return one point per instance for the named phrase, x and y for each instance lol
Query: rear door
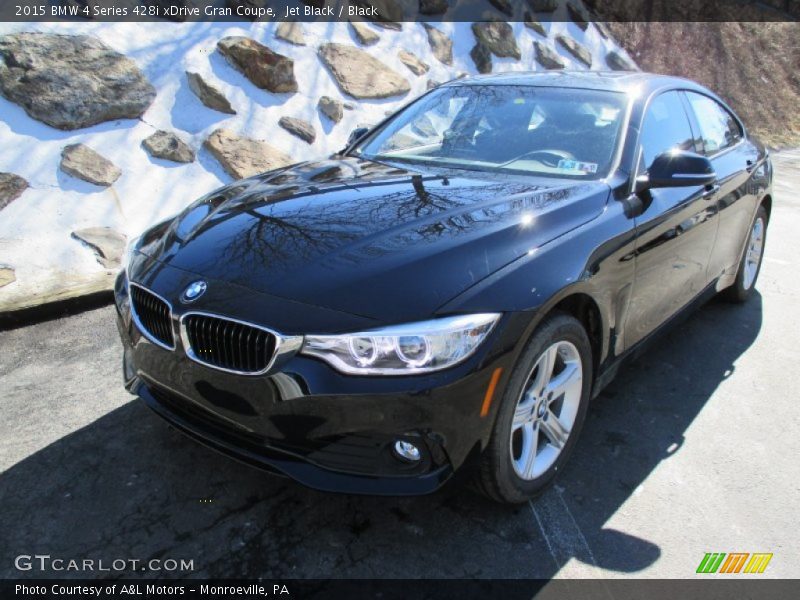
(734, 158)
(675, 233)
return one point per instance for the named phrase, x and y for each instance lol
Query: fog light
(407, 451)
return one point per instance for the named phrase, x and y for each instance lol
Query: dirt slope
(753, 66)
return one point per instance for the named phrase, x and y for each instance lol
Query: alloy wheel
(755, 247)
(546, 410)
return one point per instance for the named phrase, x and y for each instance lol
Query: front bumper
(279, 461)
(305, 420)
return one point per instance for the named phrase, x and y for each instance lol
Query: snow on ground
(35, 229)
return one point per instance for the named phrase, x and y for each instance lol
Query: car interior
(520, 131)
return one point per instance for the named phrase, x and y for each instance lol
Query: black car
(449, 292)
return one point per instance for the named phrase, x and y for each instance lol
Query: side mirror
(677, 168)
(357, 134)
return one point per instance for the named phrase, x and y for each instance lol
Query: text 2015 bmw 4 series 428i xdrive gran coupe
(451, 290)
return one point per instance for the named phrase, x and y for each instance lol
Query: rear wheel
(750, 266)
(541, 414)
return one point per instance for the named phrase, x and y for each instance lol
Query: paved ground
(693, 449)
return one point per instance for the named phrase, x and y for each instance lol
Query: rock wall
(106, 133)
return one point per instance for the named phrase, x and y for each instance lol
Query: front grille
(153, 315)
(227, 344)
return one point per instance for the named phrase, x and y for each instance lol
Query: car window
(718, 128)
(665, 127)
(549, 131)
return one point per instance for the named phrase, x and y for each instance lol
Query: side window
(665, 127)
(718, 128)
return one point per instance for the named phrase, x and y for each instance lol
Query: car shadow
(127, 486)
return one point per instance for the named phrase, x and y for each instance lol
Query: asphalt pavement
(693, 449)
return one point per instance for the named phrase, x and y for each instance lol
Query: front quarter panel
(595, 260)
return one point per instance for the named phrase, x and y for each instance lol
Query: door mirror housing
(677, 168)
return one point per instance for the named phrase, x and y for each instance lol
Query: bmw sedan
(449, 292)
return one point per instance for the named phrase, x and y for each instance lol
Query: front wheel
(541, 412)
(750, 266)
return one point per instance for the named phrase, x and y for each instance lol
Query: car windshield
(539, 130)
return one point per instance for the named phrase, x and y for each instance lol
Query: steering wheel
(549, 156)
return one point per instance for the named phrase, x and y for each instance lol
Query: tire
(747, 275)
(506, 473)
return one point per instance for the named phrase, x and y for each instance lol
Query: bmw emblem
(194, 291)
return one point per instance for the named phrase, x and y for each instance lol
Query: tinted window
(718, 128)
(666, 127)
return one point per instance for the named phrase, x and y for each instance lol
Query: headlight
(128, 253)
(403, 349)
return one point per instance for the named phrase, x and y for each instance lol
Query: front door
(675, 233)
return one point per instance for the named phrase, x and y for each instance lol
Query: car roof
(596, 80)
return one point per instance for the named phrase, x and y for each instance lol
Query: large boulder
(11, 188)
(504, 6)
(498, 37)
(244, 157)
(433, 7)
(619, 62)
(84, 163)
(166, 145)
(208, 94)
(546, 6)
(575, 48)
(412, 61)
(71, 82)
(291, 32)
(265, 68)
(299, 128)
(364, 34)
(602, 30)
(578, 14)
(548, 57)
(107, 244)
(331, 108)
(361, 75)
(441, 45)
(482, 58)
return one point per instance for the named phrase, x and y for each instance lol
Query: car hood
(368, 238)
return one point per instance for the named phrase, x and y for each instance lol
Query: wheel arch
(766, 202)
(585, 310)
(584, 307)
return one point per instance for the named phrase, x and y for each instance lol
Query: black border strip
(396, 11)
(712, 586)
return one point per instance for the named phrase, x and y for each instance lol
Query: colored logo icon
(734, 562)
(194, 291)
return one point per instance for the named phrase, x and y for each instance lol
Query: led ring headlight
(403, 349)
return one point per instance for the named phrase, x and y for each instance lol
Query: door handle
(710, 191)
(751, 164)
